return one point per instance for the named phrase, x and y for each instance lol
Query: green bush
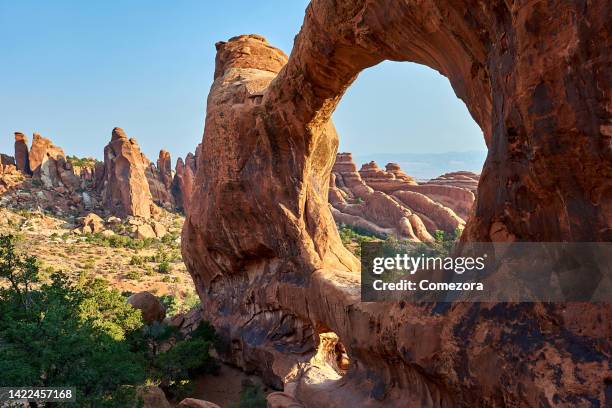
(176, 305)
(163, 267)
(251, 396)
(137, 260)
(119, 241)
(134, 275)
(356, 236)
(88, 162)
(86, 336)
(58, 334)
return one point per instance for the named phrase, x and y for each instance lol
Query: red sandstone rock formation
(48, 164)
(261, 243)
(385, 181)
(7, 160)
(160, 180)
(463, 179)
(358, 205)
(41, 151)
(184, 178)
(151, 308)
(395, 169)
(22, 159)
(123, 183)
(164, 165)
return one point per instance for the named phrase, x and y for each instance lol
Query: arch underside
(262, 246)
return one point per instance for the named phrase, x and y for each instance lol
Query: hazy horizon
(81, 69)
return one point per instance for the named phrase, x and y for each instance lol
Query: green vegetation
(353, 237)
(163, 267)
(86, 336)
(88, 162)
(119, 241)
(251, 396)
(58, 334)
(175, 305)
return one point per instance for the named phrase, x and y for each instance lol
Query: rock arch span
(262, 246)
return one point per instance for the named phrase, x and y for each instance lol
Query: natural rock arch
(262, 246)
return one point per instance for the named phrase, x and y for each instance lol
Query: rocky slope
(261, 242)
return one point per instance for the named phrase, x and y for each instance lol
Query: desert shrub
(163, 267)
(134, 275)
(353, 237)
(171, 239)
(119, 241)
(175, 305)
(136, 260)
(251, 396)
(170, 304)
(88, 162)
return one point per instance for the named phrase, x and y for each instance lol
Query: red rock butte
(262, 246)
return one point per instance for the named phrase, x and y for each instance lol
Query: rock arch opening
(388, 186)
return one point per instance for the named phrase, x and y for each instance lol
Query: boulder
(144, 231)
(282, 400)
(112, 220)
(151, 308)
(159, 229)
(196, 403)
(123, 183)
(92, 223)
(152, 397)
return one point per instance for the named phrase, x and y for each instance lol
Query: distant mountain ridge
(425, 166)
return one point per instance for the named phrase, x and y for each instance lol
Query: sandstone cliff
(260, 240)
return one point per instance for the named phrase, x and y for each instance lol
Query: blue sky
(73, 70)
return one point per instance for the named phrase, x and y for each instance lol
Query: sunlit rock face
(260, 239)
